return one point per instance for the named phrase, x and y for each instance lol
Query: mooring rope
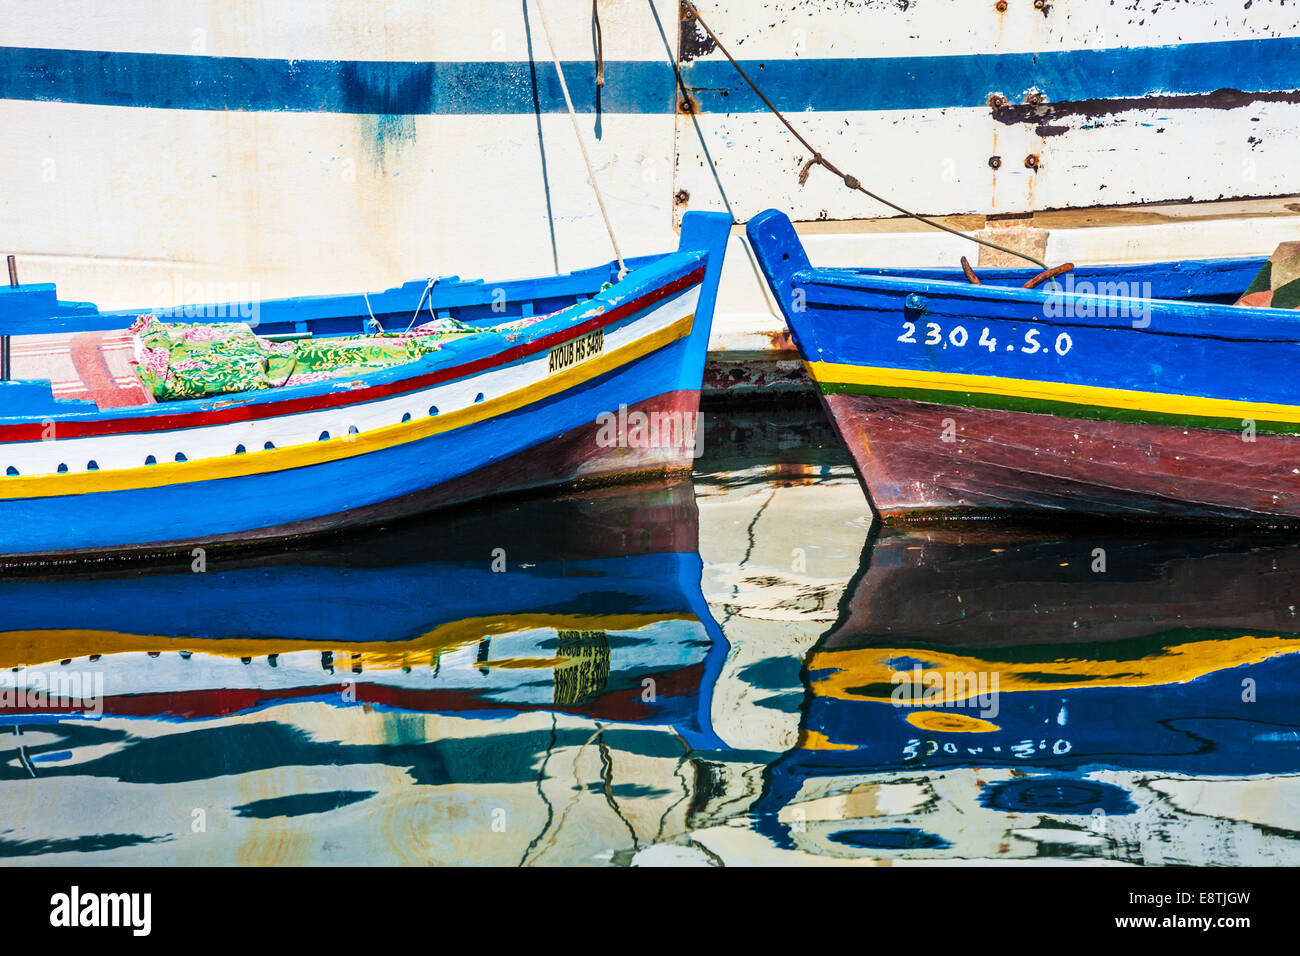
(577, 131)
(600, 43)
(818, 159)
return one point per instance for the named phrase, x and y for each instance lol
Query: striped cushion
(96, 367)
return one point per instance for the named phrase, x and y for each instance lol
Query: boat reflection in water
(984, 695)
(297, 709)
(543, 682)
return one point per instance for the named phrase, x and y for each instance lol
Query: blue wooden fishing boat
(520, 384)
(1137, 391)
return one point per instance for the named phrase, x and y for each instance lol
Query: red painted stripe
(31, 431)
(623, 704)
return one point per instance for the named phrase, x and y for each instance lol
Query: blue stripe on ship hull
(174, 81)
(209, 509)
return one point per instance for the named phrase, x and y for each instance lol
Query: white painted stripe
(937, 161)
(216, 441)
(295, 204)
(778, 29)
(494, 30)
(413, 30)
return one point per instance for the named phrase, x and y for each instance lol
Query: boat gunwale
(840, 290)
(684, 268)
(1019, 274)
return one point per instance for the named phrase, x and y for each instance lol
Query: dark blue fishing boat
(1138, 391)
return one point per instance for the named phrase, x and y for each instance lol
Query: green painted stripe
(1039, 406)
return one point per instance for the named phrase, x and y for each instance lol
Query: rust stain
(692, 41)
(1048, 116)
(995, 163)
(781, 340)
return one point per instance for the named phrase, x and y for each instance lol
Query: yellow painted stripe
(848, 672)
(32, 648)
(341, 447)
(1160, 402)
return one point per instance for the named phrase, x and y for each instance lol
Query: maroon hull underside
(982, 588)
(1003, 463)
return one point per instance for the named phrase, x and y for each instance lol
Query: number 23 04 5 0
(958, 337)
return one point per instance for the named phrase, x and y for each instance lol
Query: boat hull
(922, 461)
(439, 471)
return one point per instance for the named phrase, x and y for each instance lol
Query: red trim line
(31, 431)
(623, 703)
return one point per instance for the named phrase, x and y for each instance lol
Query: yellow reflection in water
(30, 648)
(853, 673)
(950, 723)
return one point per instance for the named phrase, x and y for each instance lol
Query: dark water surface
(701, 672)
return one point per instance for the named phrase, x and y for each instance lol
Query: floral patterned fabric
(1277, 284)
(180, 361)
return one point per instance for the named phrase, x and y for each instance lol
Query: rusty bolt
(681, 197)
(1031, 161)
(1035, 99)
(1000, 6)
(684, 105)
(996, 101)
(1040, 4)
(995, 162)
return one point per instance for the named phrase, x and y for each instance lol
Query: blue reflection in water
(547, 680)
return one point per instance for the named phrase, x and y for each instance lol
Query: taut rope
(819, 160)
(573, 117)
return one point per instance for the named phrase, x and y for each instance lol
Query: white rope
(577, 131)
(416, 314)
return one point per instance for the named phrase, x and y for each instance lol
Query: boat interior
(1207, 281)
(88, 355)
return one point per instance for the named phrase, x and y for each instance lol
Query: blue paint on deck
(177, 81)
